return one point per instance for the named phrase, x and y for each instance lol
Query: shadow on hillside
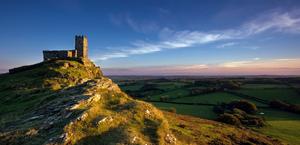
(112, 136)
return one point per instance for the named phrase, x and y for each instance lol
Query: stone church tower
(81, 46)
(81, 50)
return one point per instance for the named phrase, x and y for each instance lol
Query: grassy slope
(192, 130)
(65, 102)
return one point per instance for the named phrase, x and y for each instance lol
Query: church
(80, 51)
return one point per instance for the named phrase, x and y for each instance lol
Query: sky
(158, 37)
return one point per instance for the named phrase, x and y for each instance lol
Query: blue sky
(148, 37)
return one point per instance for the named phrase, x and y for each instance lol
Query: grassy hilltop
(71, 102)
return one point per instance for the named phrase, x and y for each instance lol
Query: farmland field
(284, 94)
(170, 94)
(213, 98)
(283, 125)
(263, 86)
(177, 95)
(132, 87)
(170, 85)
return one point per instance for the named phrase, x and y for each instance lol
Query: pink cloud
(252, 67)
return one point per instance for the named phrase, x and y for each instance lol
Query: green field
(167, 86)
(263, 86)
(194, 110)
(296, 85)
(271, 92)
(213, 98)
(283, 125)
(170, 94)
(133, 87)
(284, 94)
(280, 124)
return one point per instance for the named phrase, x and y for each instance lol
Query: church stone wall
(56, 54)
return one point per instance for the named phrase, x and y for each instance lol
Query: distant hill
(71, 102)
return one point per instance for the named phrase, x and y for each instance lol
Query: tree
(229, 119)
(244, 105)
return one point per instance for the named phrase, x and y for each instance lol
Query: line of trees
(285, 106)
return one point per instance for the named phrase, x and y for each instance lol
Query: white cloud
(252, 47)
(176, 40)
(170, 39)
(113, 55)
(227, 44)
(282, 22)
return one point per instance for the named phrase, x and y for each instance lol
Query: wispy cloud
(256, 58)
(286, 59)
(287, 22)
(246, 67)
(153, 70)
(177, 40)
(227, 44)
(138, 26)
(235, 64)
(237, 45)
(281, 22)
(252, 47)
(259, 63)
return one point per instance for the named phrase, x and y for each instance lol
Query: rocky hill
(71, 102)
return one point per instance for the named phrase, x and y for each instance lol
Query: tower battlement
(80, 51)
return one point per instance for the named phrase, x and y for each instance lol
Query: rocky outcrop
(87, 108)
